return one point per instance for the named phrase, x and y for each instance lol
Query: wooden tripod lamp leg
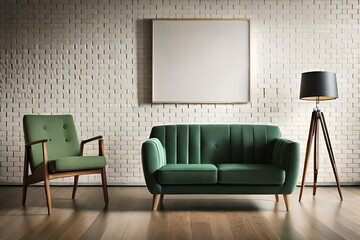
(308, 150)
(331, 153)
(316, 151)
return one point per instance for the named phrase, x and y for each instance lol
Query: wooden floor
(180, 216)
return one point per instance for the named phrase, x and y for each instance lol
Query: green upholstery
(249, 159)
(153, 157)
(76, 163)
(286, 154)
(243, 174)
(216, 144)
(221, 189)
(60, 132)
(63, 146)
(184, 174)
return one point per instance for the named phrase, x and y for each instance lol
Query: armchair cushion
(184, 174)
(76, 163)
(250, 174)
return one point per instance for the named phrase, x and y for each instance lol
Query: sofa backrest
(217, 143)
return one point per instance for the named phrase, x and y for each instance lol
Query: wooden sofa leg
(161, 197)
(76, 179)
(286, 200)
(276, 197)
(156, 199)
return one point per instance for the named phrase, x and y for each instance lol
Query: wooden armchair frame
(41, 173)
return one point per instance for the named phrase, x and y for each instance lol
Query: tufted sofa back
(215, 143)
(60, 132)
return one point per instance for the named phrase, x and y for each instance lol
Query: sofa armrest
(153, 157)
(286, 154)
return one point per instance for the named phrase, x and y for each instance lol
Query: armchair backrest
(217, 143)
(60, 132)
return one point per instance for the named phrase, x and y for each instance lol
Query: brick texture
(93, 59)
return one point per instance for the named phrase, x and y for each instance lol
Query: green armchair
(53, 151)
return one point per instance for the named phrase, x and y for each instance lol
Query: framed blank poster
(201, 61)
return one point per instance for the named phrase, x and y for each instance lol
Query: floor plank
(129, 215)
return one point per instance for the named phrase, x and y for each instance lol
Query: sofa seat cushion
(250, 174)
(77, 163)
(187, 174)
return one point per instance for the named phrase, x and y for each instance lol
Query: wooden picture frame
(201, 61)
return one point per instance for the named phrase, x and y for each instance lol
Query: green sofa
(219, 159)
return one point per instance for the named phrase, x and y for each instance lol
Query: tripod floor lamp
(318, 86)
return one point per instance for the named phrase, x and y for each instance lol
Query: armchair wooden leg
(156, 199)
(48, 195)
(24, 194)
(104, 186)
(276, 197)
(161, 197)
(76, 179)
(286, 200)
(26, 172)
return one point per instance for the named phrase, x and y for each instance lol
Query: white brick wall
(93, 59)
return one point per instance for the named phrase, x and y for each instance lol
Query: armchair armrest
(91, 139)
(36, 142)
(44, 153)
(153, 157)
(101, 144)
(286, 154)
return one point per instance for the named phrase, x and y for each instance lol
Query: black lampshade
(318, 86)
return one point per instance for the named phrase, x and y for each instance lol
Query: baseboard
(87, 184)
(112, 184)
(330, 184)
